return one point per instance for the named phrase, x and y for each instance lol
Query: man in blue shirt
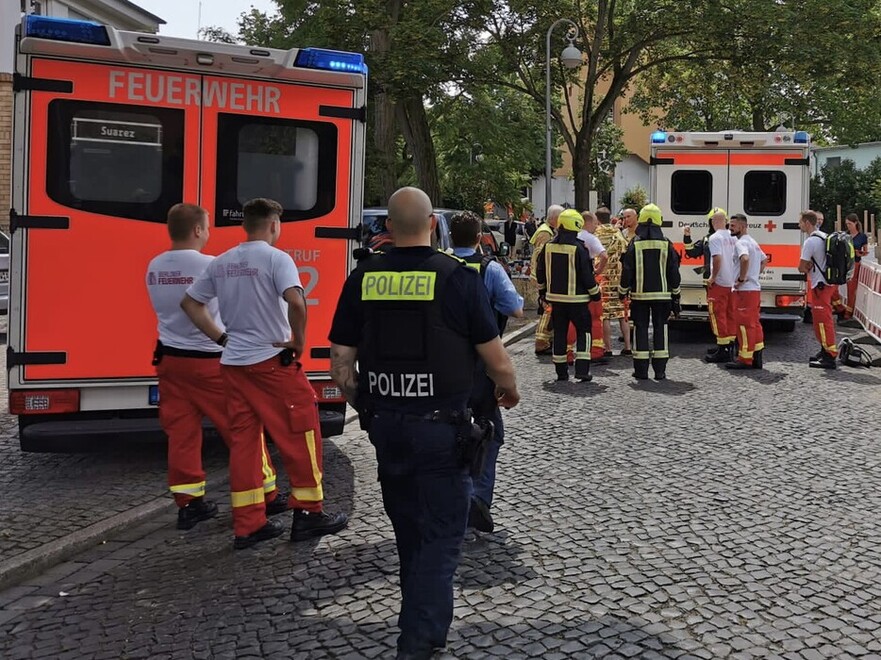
(465, 230)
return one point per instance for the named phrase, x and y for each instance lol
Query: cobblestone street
(715, 515)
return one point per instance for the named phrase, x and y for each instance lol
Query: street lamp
(571, 58)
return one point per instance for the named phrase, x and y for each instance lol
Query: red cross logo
(770, 226)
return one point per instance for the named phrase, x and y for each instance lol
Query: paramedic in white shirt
(188, 367)
(747, 296)
(719, 285)
(263, 307)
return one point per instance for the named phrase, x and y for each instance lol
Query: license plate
(4, 276)
(154, 395)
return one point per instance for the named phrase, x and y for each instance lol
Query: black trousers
(655, 348)
(578, 314)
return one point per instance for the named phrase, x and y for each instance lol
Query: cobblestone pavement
(715, 515)
(46, 496)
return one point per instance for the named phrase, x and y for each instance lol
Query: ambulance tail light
(64, 29)
(328, 392)
(40, 402)
(330, 60)
(801, 137)
(790, 301)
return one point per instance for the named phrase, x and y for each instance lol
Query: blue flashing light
(659, 137)
(801, 137)
(65, 29)
(330, 60)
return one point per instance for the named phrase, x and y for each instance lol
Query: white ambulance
(765, 176)
(112, 128)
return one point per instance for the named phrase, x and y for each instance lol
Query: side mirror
(504, 250)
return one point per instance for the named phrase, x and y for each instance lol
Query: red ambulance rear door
(291, 142)
(109, 152)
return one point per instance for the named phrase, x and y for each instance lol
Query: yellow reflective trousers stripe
(246, 497)
(269, 478)
(196, 490)
(315, 494)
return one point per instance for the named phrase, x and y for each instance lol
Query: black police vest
(408, 352)
(481, 263)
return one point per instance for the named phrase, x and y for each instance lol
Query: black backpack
(839, 258)
(853, 355)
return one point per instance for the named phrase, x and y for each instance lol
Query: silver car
(4, 273)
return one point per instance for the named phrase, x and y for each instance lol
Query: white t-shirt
(592, 243)
(249, 281)
(815, 246)
(747, 245)
(722, 243)
(168, 276)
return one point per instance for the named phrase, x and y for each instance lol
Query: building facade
(121, 14)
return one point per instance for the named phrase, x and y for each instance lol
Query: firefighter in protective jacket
(650, 276)
(564, 271)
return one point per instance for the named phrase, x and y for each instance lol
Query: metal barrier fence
(867, 309)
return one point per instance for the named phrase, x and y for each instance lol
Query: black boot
(826, 361)
(713, 350)
(808, 317)
(562, 371)
(722, 355)
(659, 366)
(278, 505)
(582, 371)
(270, 530)
(308, 525)
(641, 369)
(759, 359)
(196, 510)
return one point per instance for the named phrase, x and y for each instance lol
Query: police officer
(650, 277)
(566, 280)
(415, 320)
(465, 230)
(188, 367)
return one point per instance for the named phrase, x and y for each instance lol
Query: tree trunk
(384, 141)
(414, 125)
(758, 117)
(582, 168)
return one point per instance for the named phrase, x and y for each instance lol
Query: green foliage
(634, 198)
(854, 189)
(607, 151)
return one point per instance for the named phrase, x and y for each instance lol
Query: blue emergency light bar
(330, 60)
(801, 137)
(659, 137)
(65, 29)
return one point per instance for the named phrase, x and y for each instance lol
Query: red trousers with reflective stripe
(191, 389)
(721, 313)
(852, 290)
(824, 326)
(280, 399)
(750, 335)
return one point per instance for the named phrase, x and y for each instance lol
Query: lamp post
(571, 58)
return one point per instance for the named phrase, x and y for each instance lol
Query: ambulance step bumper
(74, 434)
(792, 314)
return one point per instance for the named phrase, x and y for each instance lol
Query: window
(116, 160)
(764, 193)
(692, 192)
(833, 161)
(292, 162)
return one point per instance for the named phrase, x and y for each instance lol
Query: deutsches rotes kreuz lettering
(401, 385)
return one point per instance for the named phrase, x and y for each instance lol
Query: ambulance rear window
(691, 192)
(116, 160)
(290, 161)
(764, 193)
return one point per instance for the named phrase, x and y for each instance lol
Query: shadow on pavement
(574, 388)
(666, 387)
(852, 375)
(491, 560)
(760, 376)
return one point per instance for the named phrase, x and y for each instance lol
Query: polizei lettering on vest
(382, 285)
(170, 89)
(401, 385)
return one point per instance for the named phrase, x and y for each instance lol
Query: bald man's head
(409, 213)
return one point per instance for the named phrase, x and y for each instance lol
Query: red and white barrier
(867, 309)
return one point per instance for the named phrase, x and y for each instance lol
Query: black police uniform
(415, 315)
(564, 271)
(650, 276)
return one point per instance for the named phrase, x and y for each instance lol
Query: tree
(854, 189)
(803, 64)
